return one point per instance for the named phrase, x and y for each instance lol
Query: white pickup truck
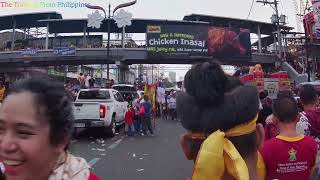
(99, 108)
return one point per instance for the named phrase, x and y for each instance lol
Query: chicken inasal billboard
(182, 41)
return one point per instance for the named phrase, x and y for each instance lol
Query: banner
(29, 52)
(183, 41)
(272, 86)
(176, 41)
(64, 51)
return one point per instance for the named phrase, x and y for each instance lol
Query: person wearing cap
(220, 115)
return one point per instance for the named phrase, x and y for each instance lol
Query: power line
(252, 3)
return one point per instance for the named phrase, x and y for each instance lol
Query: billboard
(229, 42)
(182, 41)
(176, 41)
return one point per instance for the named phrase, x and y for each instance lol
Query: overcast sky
(171, 9)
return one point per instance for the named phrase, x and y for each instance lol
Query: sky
(166, 9)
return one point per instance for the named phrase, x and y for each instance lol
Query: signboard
(29, 52)
(176, 41)
(64, 51)
(53, 72)
(72, 68)
(181, 41)
(272, 86)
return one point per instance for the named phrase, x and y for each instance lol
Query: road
(136, 158)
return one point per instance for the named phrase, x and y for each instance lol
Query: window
(129, 96)
(94, 94)
(117, 96)
(124, 88)
(120, 97)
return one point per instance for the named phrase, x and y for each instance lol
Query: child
(289, 155)
(137, 119)
(129, 118)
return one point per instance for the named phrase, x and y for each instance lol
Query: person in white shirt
(87, 78)
(172, 104)
(309, 99)
(309, 123)
(161, 98)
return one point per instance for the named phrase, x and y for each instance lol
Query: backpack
(142, 110)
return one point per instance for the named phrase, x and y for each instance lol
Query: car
(99, 108)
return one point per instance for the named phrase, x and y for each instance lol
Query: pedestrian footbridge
(100, 56)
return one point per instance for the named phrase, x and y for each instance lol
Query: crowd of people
(225, 136)
(21, 47)
(138, 118)
(141, 111)
(166, 105)
(83, 81)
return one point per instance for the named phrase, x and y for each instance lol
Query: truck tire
(75, 133)
(112, 129)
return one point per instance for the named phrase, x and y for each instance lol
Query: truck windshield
(96, 94)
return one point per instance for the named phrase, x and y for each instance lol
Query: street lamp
(109, 18)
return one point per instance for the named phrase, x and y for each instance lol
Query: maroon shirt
(129, 117)
(289, 158)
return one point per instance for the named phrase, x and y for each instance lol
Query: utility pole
(108, 48)
(109, 19)
(152, 73)
(277, 21)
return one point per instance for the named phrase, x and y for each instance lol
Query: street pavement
(136, 158)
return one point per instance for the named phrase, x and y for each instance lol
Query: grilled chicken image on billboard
(228, 42)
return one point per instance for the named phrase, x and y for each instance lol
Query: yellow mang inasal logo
(154, 29)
